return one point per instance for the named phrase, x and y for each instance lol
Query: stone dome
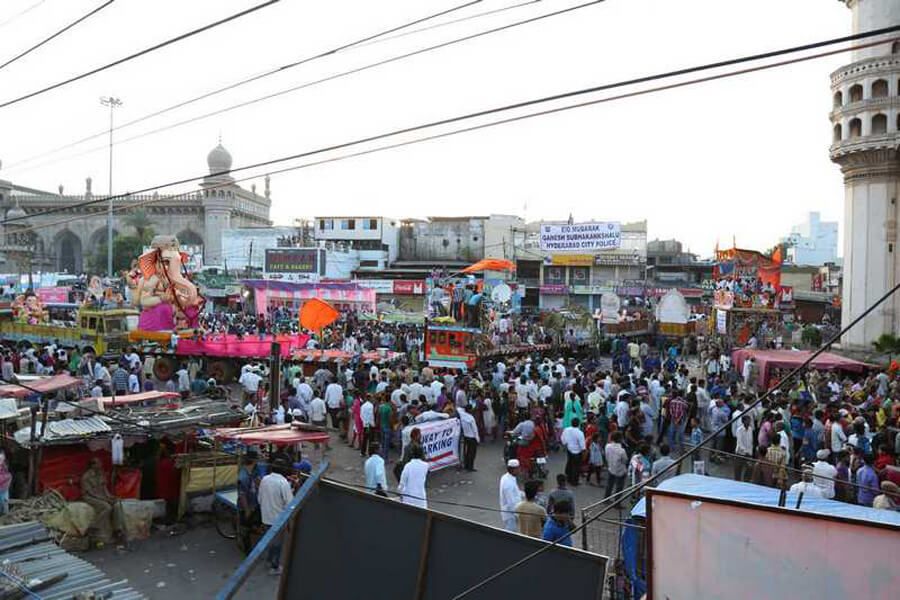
(16, 212)
(219, 159)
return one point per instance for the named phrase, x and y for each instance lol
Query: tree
(887, 344)
(125, 249)
(142, 225)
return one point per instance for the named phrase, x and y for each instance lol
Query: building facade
(63, 239)
(375, 239)
(865, 124)
(813, 242)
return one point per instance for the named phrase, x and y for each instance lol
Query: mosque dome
(16, 212)
(219, 159)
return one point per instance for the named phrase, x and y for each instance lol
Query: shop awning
(109, 401)
(50, 385)
(280, 435)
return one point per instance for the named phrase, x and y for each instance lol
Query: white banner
(721, 321)
(580, 238)
(440, 440)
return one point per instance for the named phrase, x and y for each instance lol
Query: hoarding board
(580, 238)
(295, 260)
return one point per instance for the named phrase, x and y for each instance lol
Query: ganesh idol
(167, 298)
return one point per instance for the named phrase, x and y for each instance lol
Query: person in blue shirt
(558, 526)
(867, 480)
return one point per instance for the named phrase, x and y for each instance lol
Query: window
(348, 224)
(879, 124)
(880, 88)
(554, 275)
(895, 48)
(370, 224)
(92, 323)
(838, 99)
(326, 224)
(855, 128)
(838, 130)
(856, 93)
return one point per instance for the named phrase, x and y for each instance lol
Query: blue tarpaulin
(727, 489)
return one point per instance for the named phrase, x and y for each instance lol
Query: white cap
(512, 463)
(823, 454)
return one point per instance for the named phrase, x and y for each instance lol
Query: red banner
(53, 295)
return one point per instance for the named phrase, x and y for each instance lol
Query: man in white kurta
(412, 481)
(510, 496)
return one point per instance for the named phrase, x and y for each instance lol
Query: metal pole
(112, 102)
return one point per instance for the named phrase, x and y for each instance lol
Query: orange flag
(317, 314)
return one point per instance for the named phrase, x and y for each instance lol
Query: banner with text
(580, 238)
(440, 441)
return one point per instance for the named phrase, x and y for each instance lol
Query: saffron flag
(317, 314)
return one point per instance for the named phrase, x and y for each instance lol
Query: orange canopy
(491, 264)
(316, 314)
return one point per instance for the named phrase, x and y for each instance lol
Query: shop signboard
(572, 260)
(381, 286)
(580, 238)
(554, 289)
(295, 260)
(592, 290)
(440, 442)
(406, 287)
(53, 295)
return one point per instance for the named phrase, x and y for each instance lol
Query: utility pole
(112, 102)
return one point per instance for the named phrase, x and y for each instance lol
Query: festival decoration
(28, 308)
(167, 298)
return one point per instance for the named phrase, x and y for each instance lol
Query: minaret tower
(865, 124)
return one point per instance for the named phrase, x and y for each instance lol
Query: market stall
(770, 360)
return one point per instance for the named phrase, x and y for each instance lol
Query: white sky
(746, 157)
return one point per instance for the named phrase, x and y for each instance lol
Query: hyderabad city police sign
(580, 238)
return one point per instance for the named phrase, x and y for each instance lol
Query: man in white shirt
(594, 398)
(743, 448)
(436, 388)
(134, 382)
(510, 495)
(184, 381)
(367, 416)
(838, 437)
(470, 438)
(249, 382)
(274, 495)
(415, 388)
(573, 439)
(746, 371)
(317, 411)
(824, 474)
(374, 471)
(806, 485)
(412, 479)
(334, 401)
(545, 393)
(622, 409)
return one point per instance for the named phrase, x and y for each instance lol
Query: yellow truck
(104, 330)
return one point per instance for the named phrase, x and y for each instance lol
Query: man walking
(470, 438)
(510, 496)
(743, 448)
(616, 464)
(274, 495)
(573, 439)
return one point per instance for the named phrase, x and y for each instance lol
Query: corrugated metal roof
(65, 428)
(25, 549)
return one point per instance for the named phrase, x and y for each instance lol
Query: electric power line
(21, 13)
(478, 126)
(55, 35)
(618, 497)
(486, 13)
(292, 89)
(138, 54)
(374, 38)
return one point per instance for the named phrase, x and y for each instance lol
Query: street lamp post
(112, 102)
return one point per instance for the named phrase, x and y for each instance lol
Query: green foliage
(125, 249)
(811, 336)
(887, 344)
